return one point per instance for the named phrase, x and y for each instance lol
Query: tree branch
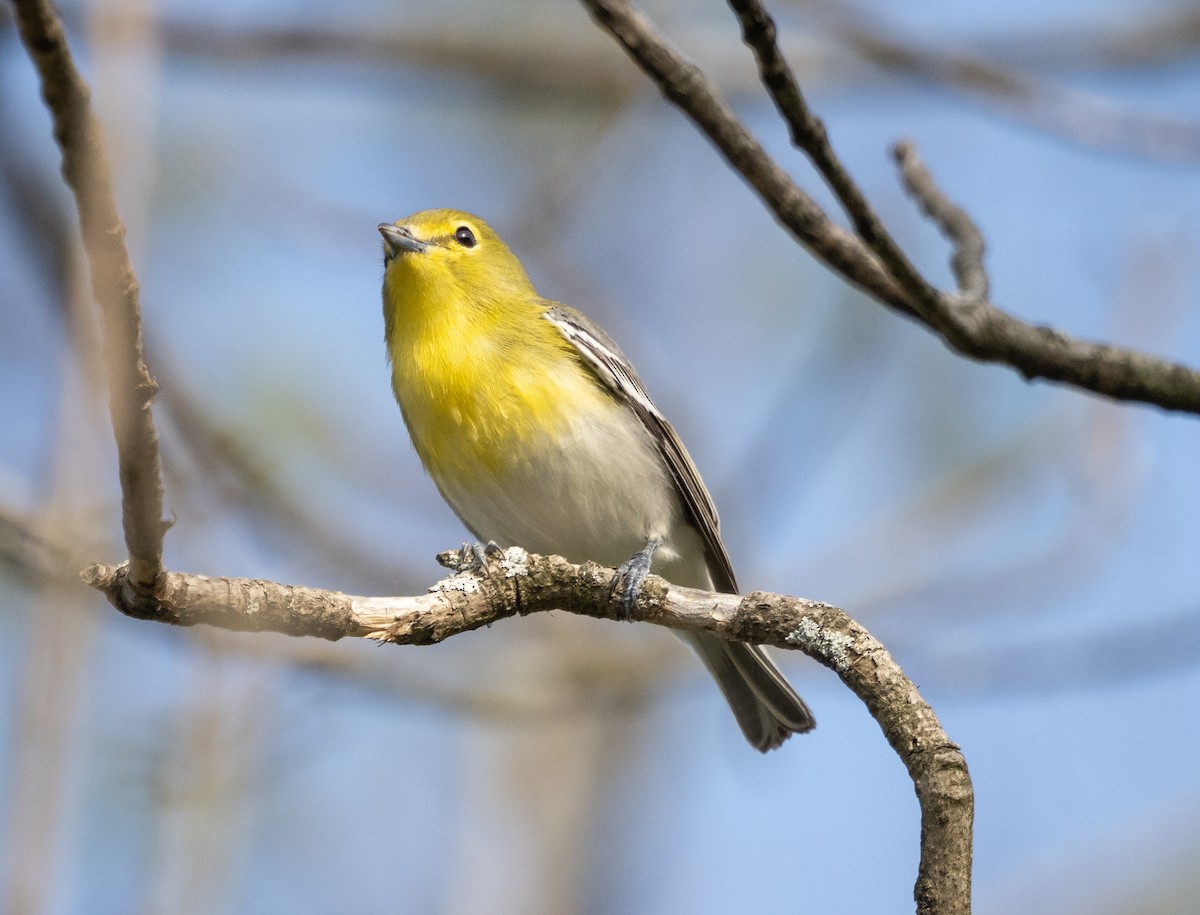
(686, 86)
(520, 583)
(970, 324)
(808, 134)
(955, 223)
(114, 285)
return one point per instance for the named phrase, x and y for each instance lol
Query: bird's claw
(473, 556)
(631, 575)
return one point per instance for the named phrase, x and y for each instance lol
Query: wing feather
(605, 359)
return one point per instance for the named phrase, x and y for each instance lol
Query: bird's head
(449, 255)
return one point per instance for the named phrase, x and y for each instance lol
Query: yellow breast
(481, 397)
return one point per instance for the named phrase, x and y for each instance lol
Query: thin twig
(687, 87)
(955, 223)
(808, 133)
(114, 286)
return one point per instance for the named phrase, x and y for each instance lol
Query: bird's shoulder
(599, 352)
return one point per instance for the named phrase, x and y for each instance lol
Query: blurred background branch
(114, 285)
(1016, 86)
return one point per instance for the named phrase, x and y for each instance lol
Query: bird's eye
(464, 237)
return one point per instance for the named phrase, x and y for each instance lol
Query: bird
(539, 433)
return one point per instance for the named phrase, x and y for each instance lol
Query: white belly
(597, 493)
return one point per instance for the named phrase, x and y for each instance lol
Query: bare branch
(808, 133)
(973, 326)
(687, 87)
(521, 583)
(114, 285)
(955, 223)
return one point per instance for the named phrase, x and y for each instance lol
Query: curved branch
(114, 285)
(970, 324)
(519, 583)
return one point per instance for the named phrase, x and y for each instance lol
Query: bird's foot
(631, 574)
(473, 556)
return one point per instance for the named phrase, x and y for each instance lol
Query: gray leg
(473, 556)
(631, 574)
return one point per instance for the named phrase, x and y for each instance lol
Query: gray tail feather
(766, 707)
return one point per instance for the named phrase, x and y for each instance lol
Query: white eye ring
(465, 237)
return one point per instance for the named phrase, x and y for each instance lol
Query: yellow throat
(458, 307)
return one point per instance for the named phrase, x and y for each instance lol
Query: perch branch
(520, 583)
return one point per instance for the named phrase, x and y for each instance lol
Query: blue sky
(1027, 552)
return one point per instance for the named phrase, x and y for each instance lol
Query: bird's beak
(398, 240)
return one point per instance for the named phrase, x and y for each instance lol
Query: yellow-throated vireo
(539, 433)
